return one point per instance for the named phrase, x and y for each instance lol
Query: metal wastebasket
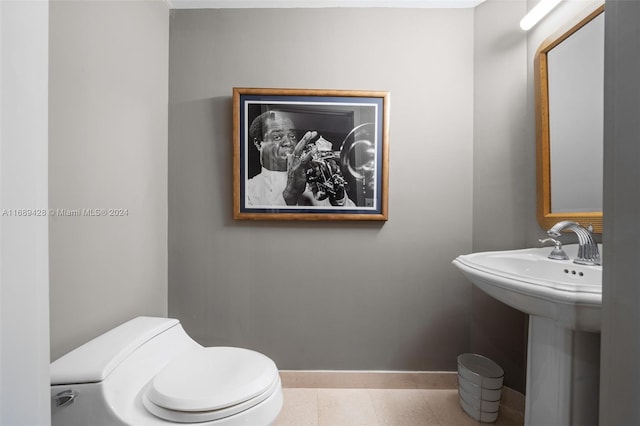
(479, 386)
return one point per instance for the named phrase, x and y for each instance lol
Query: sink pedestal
(563, 368)
(563, 300)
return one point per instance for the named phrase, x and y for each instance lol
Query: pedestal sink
(563, 300)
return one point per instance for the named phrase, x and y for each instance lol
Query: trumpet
(323, 172)
(352, 168)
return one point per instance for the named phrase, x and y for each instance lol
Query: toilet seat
(211, 383)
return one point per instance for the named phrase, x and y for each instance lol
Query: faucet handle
(557, 243)
(557, 253)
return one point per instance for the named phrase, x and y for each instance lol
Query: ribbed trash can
(479, 386)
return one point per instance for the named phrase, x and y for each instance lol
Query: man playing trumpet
(292, 174)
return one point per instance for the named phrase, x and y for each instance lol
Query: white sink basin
(527, 280)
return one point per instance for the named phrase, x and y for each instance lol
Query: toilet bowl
(148, 371)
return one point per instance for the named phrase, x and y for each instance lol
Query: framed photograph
(310, 154)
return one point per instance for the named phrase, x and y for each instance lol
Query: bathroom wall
(108, 150)
(620, 374)
(24, 269)
(326, 295)
(504, 173)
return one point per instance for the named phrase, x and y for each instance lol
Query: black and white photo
(310, 154)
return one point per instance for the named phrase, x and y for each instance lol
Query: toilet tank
(96, 359)
(98, 383)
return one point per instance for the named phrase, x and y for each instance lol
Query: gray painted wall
(504, 169)
(621, 294)
(108, 150)
(24, 258)
(330, 295)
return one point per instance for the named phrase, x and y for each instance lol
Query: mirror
(569, 91)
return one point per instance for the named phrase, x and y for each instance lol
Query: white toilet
(148, 371)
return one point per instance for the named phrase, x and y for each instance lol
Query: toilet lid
(212, 379)
(206, 416)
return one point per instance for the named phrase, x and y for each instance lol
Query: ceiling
(243, 4)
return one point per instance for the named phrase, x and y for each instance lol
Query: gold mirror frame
(546, 218)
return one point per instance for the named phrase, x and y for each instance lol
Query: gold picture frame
(301, 154)
(545, 215)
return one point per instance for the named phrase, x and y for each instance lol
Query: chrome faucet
(588, 253)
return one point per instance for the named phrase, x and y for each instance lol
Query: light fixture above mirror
(538, 12)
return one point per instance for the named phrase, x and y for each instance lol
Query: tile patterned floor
(378, 407)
